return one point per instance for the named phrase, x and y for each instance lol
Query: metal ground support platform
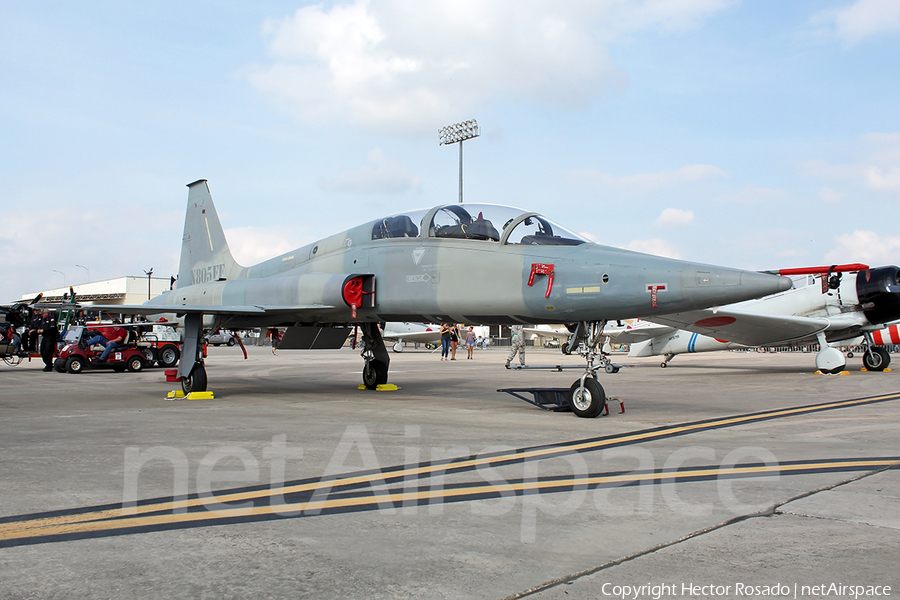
(547, 367)
(609, 368)
(555, 399)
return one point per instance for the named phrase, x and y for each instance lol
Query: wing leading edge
(159, 309)
(747, 328)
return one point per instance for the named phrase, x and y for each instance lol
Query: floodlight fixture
(458, 133)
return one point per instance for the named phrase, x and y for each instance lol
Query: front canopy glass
(481, 222)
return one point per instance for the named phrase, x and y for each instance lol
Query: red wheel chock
(614, 399)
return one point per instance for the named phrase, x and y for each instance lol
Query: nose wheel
(586, 396)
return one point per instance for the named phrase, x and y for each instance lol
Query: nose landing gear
(588, 398)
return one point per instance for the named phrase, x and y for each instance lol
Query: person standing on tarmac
(32, 331)
(274, 338)
(445, 341)
(49, 333)
(517, 345)
(454, 340)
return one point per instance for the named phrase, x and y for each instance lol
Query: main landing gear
(587, 396)
(829, 360)
(374, 352)
(192, 372)
(196, 380)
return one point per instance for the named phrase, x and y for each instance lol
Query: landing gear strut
(829, 360)
(665, 363)
(587, 396)
(375, 370)
(191, 369)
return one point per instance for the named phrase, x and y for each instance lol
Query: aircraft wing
(554, 333)
(632, 335)
(413, 336)
(748, 328)
(158, 309)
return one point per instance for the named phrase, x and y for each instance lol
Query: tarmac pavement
(743, 471)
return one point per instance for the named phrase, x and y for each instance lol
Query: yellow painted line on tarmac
(89, 515)
(458, 493)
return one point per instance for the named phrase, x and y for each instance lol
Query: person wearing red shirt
(116, 336)
(109, 338)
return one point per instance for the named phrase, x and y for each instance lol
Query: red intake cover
(353, 292)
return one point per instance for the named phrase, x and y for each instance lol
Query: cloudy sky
(757, 134)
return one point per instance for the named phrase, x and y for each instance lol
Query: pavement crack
(772, 511)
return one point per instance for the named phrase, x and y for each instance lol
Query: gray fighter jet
(462, 263)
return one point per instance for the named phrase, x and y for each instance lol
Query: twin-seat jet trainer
(840, 305)
(463, 263)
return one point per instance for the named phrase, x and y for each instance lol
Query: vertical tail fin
(205, 255)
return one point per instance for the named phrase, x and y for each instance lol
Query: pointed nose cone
(756, 285)
(706, 286)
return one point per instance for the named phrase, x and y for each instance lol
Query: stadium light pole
(458, 133)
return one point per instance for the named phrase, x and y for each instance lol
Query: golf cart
(76, 356)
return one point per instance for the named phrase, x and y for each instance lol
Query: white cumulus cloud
(867, 247)
(883, 180)
(862, 19)
(675, 217)
(380, 175)
(830, 196)
(250, 245)
(657, 246)
(878, 170)
(401, 66)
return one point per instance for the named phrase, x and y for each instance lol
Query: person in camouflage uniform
(517, 345)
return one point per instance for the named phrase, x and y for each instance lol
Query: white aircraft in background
(842, 305)
(548, 332)
(424, 333)
(428, 334)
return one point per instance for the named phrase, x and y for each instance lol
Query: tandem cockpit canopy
(481, 222)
